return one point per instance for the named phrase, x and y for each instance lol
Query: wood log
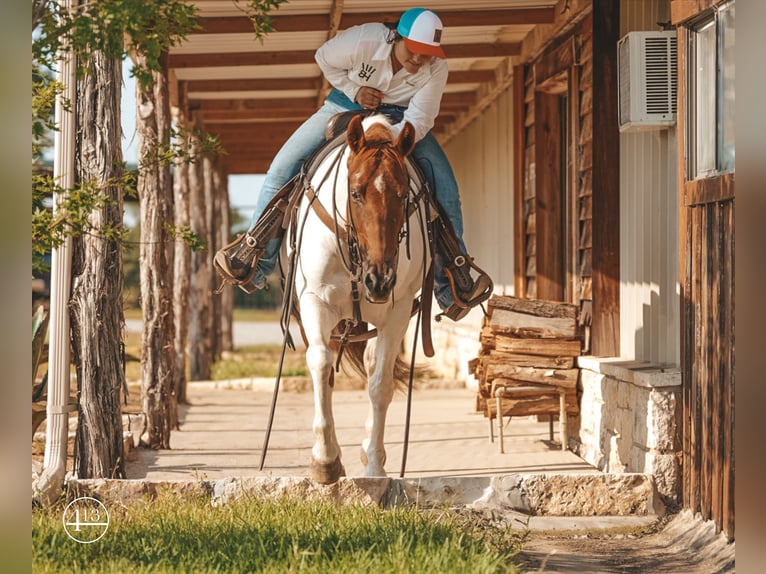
(521, 360)
(543, 347)
(531, 326)
(540, 405)
(536, 307)
(566, 378)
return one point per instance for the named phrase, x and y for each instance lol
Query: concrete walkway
(222, 432)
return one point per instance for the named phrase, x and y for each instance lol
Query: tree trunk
(155, 194)
(211, 211)
(182, 261)
(96, 303)
(227, 295)
(199, 295)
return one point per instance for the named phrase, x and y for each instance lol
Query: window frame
(694, 30)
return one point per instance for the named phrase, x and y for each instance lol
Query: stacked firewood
(531, 344)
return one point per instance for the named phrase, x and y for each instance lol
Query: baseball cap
(422, 32)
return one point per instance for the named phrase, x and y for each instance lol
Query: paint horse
(359, 261)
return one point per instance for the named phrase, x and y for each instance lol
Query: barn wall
(482, 158)
(649, 277)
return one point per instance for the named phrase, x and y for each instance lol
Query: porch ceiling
(253, 95)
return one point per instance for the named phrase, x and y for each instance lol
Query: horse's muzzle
(379, 284)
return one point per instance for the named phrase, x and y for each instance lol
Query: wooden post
(563, 426)
(182, 258)
(605, 331)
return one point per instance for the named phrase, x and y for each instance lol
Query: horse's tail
(402, 374)
(353, 360)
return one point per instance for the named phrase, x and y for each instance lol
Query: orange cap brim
(424, 49)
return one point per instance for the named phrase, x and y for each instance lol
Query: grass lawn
(253, 535)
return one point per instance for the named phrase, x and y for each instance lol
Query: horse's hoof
(327, 473)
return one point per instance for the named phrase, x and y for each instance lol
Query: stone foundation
(630, 420)
(533, 494)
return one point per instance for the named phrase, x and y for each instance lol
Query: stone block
(663, 421)
(592, 495)
(667, 475)
(624, 394)
(445, 490)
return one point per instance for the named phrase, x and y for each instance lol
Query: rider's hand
(369, 98)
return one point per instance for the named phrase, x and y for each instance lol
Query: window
(711, 94)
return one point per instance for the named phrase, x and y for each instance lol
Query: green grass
(270, 315)
(253, 535)
(259, 361)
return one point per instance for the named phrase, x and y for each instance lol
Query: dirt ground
(678, 544)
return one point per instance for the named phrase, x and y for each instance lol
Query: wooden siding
(707, 337)
(557, 234)
(708, 364)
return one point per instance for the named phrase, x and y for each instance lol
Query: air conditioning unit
(647, 68)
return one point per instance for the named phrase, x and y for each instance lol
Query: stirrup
(245, 252)
(463, 303)
(478, 291)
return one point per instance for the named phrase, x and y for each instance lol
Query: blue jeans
(428, 153)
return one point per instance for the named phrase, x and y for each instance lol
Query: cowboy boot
(238, 261)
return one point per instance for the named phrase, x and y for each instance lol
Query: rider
(399, 70)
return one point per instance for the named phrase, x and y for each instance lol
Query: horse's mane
(377, 129)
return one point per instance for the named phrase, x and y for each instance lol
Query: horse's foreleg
(326, 467)
(381, 391)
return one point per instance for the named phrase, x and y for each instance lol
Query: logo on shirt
(366, 72)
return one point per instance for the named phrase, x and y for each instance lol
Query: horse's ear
(406, 140)
(355, 134)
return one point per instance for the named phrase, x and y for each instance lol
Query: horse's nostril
(370, 280)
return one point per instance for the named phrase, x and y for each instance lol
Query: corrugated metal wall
(482, 158)
(649, 267)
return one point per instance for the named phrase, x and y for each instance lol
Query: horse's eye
(355, 195)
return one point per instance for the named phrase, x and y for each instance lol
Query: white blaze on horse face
(380, 183)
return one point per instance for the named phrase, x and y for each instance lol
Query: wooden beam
(252, 116)
(250, 127)
(462, 98)
(241, 165)
(470, 76)
(258, 84)
(254, 104)
(261, 139)
(285, 57)
(316, 22)
(605, 332)
(210, 60)
(252, 84)
(519, 259)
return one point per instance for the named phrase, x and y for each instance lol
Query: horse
(351, 270)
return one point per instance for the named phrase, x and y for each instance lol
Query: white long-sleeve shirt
(360, 56)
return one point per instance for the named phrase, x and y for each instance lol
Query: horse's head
(378, 185)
